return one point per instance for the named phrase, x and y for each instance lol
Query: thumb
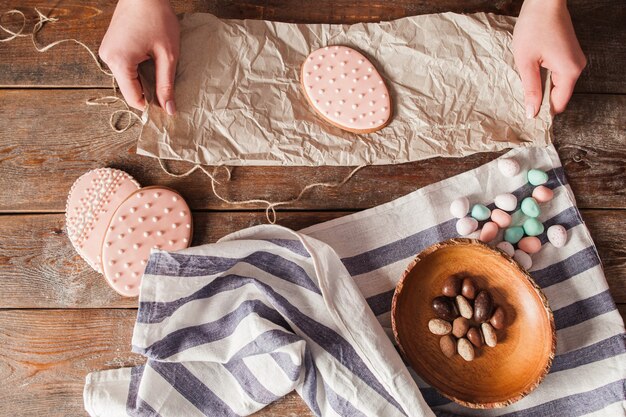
(531, 81)
(165, 64)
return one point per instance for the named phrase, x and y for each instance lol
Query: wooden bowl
(498, 376)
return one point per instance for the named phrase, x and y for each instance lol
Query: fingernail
(530, 111)
(170, 107)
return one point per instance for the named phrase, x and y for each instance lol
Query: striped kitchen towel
(229, 327)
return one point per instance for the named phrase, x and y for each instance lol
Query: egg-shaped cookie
(92, 200)
(346, 90)
(153, 217)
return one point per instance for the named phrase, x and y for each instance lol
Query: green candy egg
(533, 227)
(480, 212)
(530, 207)
(537, 177)
(514, 234)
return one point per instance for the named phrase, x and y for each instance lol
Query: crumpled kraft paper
(453, 83)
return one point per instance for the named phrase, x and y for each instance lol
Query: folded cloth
(232, 326)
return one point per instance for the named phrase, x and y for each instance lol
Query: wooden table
(59, 320)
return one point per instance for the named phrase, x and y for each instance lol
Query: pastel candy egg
(530, 244)
(466, 226)
(480, 212)
(543, 194)
(459, 207)
(501, 218)
(537, 177)
(523, 259)
(489, 232)
(508, 167)
(533, 227)
(513, 234)
(530, 207)
(557, 235)
(506, 247)
(506, 202)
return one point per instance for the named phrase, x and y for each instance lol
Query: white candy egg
(506, 202)
(506, 247)
(523, 259)
(508, 167)
(459, 207)
(557, 235)
(466, 226)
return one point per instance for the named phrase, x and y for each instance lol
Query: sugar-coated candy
(543, 194)
(459, 207)
(557, 235)
(506, 247)
(506, 202)
(508, 167)
(523, 259)
(466, 226)
(537, 177)
(530, 207)
(501, 218)
(480, 212)
(533, 227)
(489, 232)
(530, 244)
(513, 234)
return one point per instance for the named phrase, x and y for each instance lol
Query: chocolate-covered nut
(452, 286)
(464, 307)
(474, 336)
(498, 319)
(447, 345)
(483, 305)
(489, 334)
(460, 326)
(439, 327)
(468, 289)
(465, 349)
(444, 308)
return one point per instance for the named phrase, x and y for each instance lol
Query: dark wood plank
(46, 355)
(40, 269)
(50, 137)
(599, 25)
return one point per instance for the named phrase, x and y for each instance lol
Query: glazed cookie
(153, 217)
(90, 205)
(346, 90)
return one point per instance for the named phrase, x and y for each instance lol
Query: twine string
(117, 115)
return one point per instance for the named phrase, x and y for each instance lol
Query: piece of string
(270, 207)
(119, 127)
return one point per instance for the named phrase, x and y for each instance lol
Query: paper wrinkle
(452, 79)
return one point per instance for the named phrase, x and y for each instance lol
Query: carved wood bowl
(500, 375)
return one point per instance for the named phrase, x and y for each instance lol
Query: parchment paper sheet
(453, 83)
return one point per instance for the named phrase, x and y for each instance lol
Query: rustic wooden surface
(59, 320)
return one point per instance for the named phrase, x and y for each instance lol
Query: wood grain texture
(52, 134)
(46, 355)
(599, 25)
(40, 269)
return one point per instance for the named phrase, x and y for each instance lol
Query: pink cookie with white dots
(92, 200)
(153, 217)
(343, 86)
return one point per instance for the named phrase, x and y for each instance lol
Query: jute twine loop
(117, 115)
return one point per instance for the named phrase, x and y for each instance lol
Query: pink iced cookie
(345, 89)
(153, 217)
(90, 205)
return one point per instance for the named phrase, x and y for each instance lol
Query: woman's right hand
(140, 30)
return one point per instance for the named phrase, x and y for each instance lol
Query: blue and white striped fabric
(230, 327)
